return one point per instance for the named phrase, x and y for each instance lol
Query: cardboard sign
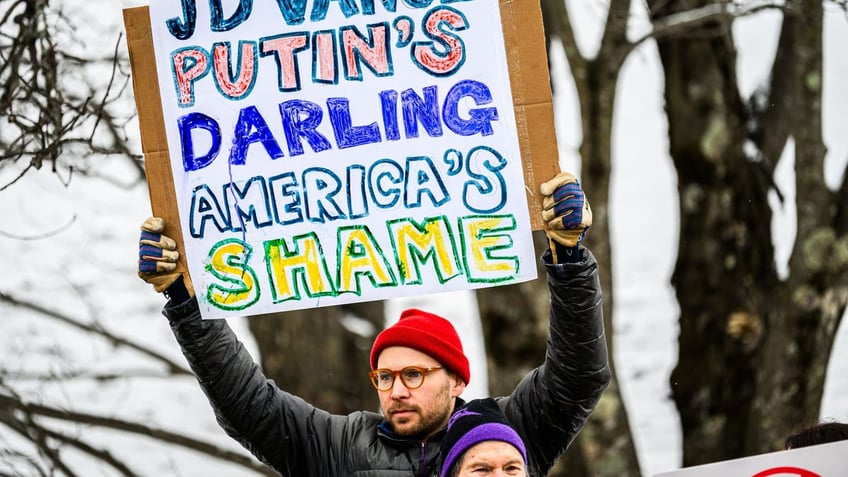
(322, 153)
(824, 460)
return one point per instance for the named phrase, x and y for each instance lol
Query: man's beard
(428, 423)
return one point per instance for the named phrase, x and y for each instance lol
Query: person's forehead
(397, 357)
(492, 450)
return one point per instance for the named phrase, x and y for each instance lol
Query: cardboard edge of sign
(527, 57)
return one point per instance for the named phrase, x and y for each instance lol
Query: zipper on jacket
(422, 470)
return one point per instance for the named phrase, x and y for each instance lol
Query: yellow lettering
(485, 239)
(228, 262)
(306, 261)
(416, 243)
(360, 255)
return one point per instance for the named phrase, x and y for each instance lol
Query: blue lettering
(186, 125)
(300, 119)
(357, 202)
(219, 23)
(205, 207)
(388, 101)
(319, 9)
(486, 192)
(183, 29)
(384, 177)
(481, 118)
(425, 111)
(250, 128)
(321, 205)
(285, 198)
(422, 179)
(293, 11)
(249, 202)
(346, 134)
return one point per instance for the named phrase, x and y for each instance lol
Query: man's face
(423, 411)
(492, 459)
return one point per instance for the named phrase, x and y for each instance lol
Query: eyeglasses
(411, 376)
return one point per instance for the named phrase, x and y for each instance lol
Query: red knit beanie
(431, 334)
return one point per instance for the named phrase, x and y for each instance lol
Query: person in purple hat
(480, 442)
(417, 366)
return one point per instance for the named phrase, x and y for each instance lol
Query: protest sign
(329, 152)
(824, 460)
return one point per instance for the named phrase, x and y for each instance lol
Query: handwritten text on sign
(326, 152)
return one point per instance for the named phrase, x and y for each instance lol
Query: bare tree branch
(43, 118)
(10, 456)
(556, 13)
(843, 4)
(100, 454)
(29, 427)
(683, 22)
(771, 106)
(82, 375)
(9, 404)
(34, 434)
(173, 367)
(42, 235)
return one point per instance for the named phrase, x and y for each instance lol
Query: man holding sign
(417, 367)
(322, 153)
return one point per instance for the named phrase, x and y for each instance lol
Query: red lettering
(324, 68)
(239, 84)
(284, 49)
(787, 470)
(190, 64)
(376, 56)
(436, 24)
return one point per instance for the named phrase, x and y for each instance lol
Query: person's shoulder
(363, 421)
(362, 429)
(368, 417)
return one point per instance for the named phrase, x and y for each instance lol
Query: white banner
(327, 152)
(824, 460)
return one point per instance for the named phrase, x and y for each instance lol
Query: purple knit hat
(478, 421)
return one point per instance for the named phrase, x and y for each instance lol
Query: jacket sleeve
(280, 429)
(552, 403)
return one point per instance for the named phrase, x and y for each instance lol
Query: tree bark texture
(514, 320)
(753, 346)
(315, 354)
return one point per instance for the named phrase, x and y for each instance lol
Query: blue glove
(157, 256)
(565, 211)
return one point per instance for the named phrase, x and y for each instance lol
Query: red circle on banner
(787, 470)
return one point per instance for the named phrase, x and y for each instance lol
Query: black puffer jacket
(548, 407)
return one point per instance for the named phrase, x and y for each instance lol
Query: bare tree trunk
(753, 347)
(605, 446)
(722, 197)
(606, 443)
(514, 319)
(316, 354)
(817, 287)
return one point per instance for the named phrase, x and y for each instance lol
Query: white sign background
(457, 177)
(824, 460)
